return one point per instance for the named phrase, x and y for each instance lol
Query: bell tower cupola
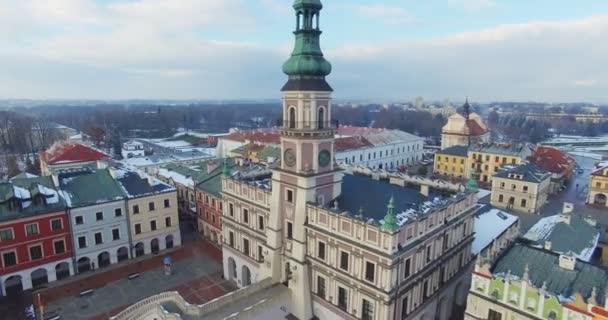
(307, 68)
(307, 132)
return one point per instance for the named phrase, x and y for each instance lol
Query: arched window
(292, 118)
(321, 118)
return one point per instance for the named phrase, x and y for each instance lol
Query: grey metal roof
(136, 186)
(515, 150)
(459, 151)
(544, 268)
(368, 197)
(526, 172)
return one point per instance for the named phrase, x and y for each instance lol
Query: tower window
(292, 118)
(321, 118)
(289, 230)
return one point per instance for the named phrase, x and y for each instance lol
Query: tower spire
(390, 220)
(472, 185)
(307, 68)
(226, 169)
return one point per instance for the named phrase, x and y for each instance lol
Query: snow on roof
(174, 144)
(161, 159)
(564, 233)
(482, 193)
(177, 177)
(191, 133)
(23, 175)
(21, 193)
(67, 152)
(489, 225)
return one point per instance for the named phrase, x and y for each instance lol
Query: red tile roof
(71, 152)
(357, 131)
(551, 159)
(272, 135)
(351, 143)
(267, 135)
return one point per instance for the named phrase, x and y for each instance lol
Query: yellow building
(598, 185)
(451, 162)
(486, 159)
(523, 188)
(152, 213)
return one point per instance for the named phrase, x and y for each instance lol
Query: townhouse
(35, 244)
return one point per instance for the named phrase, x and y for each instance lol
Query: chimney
(547, 245)
(424, 190)
(567, 261)
(212, 165)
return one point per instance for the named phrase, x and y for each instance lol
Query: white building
(98, 218)
(132, 149)
(371, 147)
(378, 148)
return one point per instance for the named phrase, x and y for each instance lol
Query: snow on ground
(489, 226)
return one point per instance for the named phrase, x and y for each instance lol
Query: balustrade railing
(308, 125)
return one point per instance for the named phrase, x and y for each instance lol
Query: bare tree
(45, 134)
(12, 167)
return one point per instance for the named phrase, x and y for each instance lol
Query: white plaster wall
(240, 262)
(26, 279)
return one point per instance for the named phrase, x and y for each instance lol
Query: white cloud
(384, 13)
(472, 5)
(166, 49)
(538, 60)
(585, 83)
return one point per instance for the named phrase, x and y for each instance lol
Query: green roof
(18, 198)
(544, 269)
(197, 172)
(213, 183)
(90, 187)
(269, 151)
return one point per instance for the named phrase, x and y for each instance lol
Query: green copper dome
(298, 4)
(307, 58)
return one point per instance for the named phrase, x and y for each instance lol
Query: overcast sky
(488, 50)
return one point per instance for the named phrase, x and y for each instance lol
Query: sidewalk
(88, 281)
(197, 276)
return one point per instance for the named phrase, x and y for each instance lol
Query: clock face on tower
(324, 158)
(290, 157)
